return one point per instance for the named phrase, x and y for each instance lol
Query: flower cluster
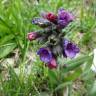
(51, 35)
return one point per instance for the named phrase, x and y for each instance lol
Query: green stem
(26, 46)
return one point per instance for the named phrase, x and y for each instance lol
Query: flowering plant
(52, 33)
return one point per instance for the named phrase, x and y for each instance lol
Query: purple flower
(42, 22)
(64, 18)
(45, 55)
(70, 49)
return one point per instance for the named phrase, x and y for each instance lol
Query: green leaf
(92, 92)
(3, 22)
(52, 75)
(6, 49)
(61, 86)
(75, 63)
(6, 38)
(73, 76)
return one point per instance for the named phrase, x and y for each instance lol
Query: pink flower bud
(32, 36)
(52, 64)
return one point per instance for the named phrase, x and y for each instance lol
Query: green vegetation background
(15, 23)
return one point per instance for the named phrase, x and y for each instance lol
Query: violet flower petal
(45, 55)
